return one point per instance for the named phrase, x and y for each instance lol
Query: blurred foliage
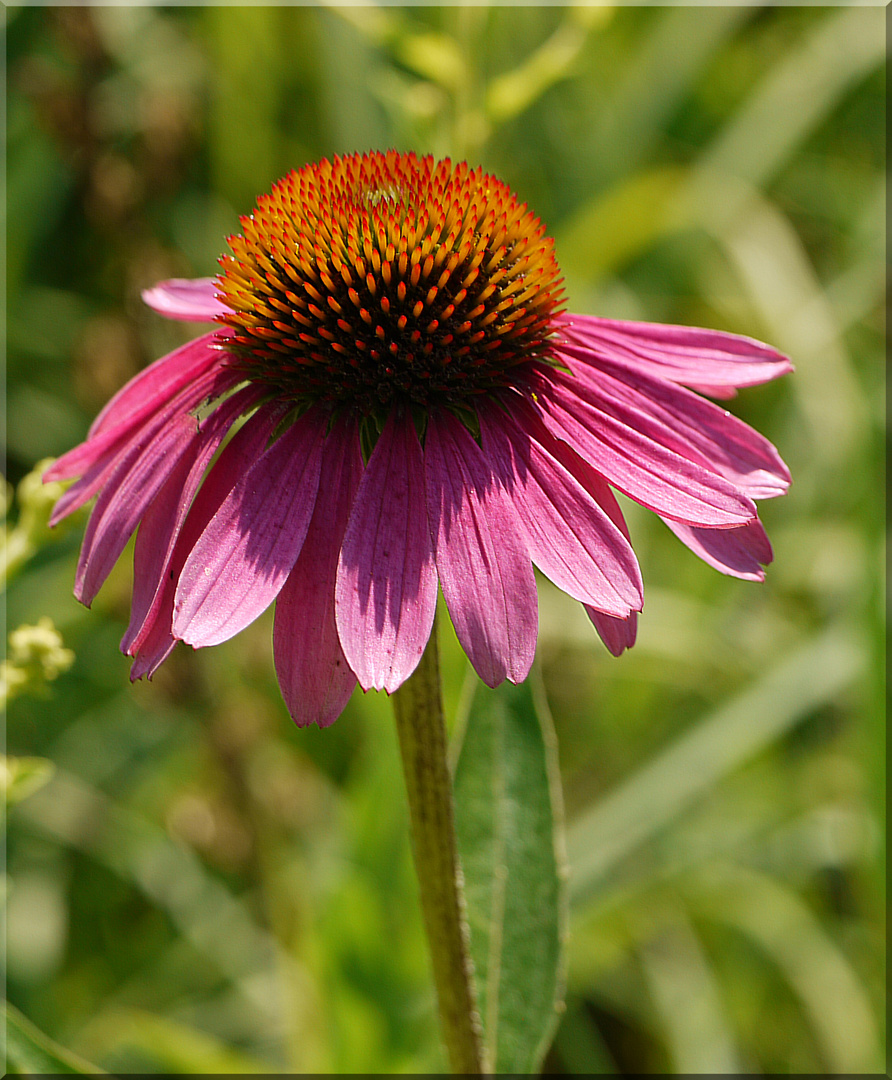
(36, 657)
(35, 501)
(200, 886)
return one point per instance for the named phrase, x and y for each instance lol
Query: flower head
(384, 280)
(401, 403)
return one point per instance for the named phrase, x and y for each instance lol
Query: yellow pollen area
(381, 276)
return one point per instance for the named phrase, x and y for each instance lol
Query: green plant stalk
(418, 707)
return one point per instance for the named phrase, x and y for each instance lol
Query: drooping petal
(719, 393)
(158, 644)
(485, 570)
(186, 299)
(315, 679)
(634, 460)
(137, 478)
(154, 640)
(82, 490)
(155, 541)
(569, 536)
(161, 523)
(738, 552)
(241, 560)
(589, 477)
(386, 591)
(179, 383)
(617, 634)
(710, 360)
(139, 473)
(688, 424)
(160, 381)
(94, 451)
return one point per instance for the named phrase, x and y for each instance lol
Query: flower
(394, 399)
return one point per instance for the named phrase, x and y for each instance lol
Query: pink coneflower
(395, 401)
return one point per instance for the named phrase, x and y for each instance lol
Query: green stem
(418, 706)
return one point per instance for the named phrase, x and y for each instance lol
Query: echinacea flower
(394, 400)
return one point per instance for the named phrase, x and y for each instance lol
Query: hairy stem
(418, 706)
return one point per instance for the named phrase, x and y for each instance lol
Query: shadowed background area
(202, 887)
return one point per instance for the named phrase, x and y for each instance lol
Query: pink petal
(156, 538)
(568, 535)
(156, 649)
(164, 518)
(162, 380)
(154, 640)
(707, 359)
(485, 571)
(589, 477)
(738, 552)
(139, 472)
(627, 450)
(314, 676)
(89, 458)
(243, 557)
(386, 591)
(119, 422)
(84, 489)
(138, 476)
(186, 299)
(691, 426)
(617, 634)
(722, 393)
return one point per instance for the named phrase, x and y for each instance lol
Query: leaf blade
(29, 1051)
(509, 825)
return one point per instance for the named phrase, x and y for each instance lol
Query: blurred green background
(203, 887)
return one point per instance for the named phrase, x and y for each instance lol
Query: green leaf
(30, 1052)
(510, 839)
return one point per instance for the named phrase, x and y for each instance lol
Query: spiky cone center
(387, 278)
